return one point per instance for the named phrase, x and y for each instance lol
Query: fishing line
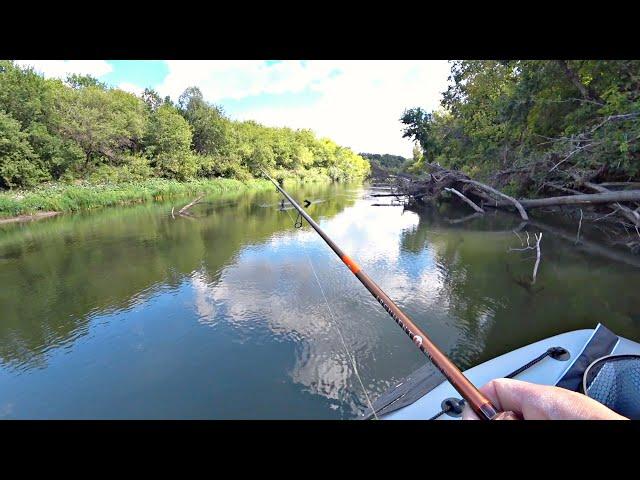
(335, 323)
(479, 403)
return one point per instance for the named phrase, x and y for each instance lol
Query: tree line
(392, 163)
(80, 128)
(529, 125)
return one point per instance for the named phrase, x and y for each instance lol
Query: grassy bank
(59, 197)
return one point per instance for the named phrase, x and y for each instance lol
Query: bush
(134, 168)
(19, 165)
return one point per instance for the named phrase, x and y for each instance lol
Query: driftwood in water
(29, 218)
(538, 238)
(184, 210)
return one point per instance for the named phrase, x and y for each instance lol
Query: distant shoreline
(54, 199)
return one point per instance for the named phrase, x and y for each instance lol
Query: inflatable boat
(563, 360)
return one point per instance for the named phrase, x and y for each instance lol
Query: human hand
(541, 402)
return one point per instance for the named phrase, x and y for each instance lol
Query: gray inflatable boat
(561, 360)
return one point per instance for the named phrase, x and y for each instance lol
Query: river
(129, 313)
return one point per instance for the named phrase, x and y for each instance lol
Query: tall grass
(69, 198)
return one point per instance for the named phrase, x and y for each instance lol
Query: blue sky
(149, 73)
(355, 103)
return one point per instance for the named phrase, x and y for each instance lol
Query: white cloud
(236, 79)
(61, 68)
(359, 104)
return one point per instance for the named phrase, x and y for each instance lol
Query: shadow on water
(130, 313)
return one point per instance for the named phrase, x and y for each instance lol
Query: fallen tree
(616, 204)
(578, 199)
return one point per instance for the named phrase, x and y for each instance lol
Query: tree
(152, 99)
(19, 165)
(104, 123)
(82, 81)
(419, 128)
(24, 94)
(208, 123)
(540, 115)
(82, 128)
(168, 140)
(30, 99)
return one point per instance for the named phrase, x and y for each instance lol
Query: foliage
(105, 124)
(209, 126)
(92, 194)
(168, 141)
(81, 129)
(19, 165)
(542, 117)
(387, 161)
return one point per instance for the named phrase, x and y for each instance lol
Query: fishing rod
(480, 404)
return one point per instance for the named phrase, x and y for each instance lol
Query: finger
(544, 402)
(507, 394)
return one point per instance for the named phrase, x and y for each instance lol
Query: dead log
(184, 209)
(29, 217)
(584, 199)
(620, 184)
(516, 203)
(626, 212)
(465, 199)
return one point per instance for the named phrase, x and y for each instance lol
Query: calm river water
(129, 313)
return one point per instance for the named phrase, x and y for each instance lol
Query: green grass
(60, 197)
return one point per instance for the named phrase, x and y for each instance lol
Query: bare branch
(517, 204)
(465, 199)
(535, 268)
(184, 209)
(579, 228)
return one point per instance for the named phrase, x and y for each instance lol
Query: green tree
(103, 123)
(168, 140)
(207, 121)
(81, 128)
(82, 81)
(543, 116)
(19, 165)
(152, 99)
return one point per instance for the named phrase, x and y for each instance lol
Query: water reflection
(130, 313)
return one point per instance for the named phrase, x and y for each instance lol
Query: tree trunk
(586, 92)
(584, 199)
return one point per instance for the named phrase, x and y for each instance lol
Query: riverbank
(21, 205)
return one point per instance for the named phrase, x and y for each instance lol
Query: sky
(356, 103)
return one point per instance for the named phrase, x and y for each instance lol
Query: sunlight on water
(130, 313)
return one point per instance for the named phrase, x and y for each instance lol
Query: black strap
(601, 344)
(553, 352)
